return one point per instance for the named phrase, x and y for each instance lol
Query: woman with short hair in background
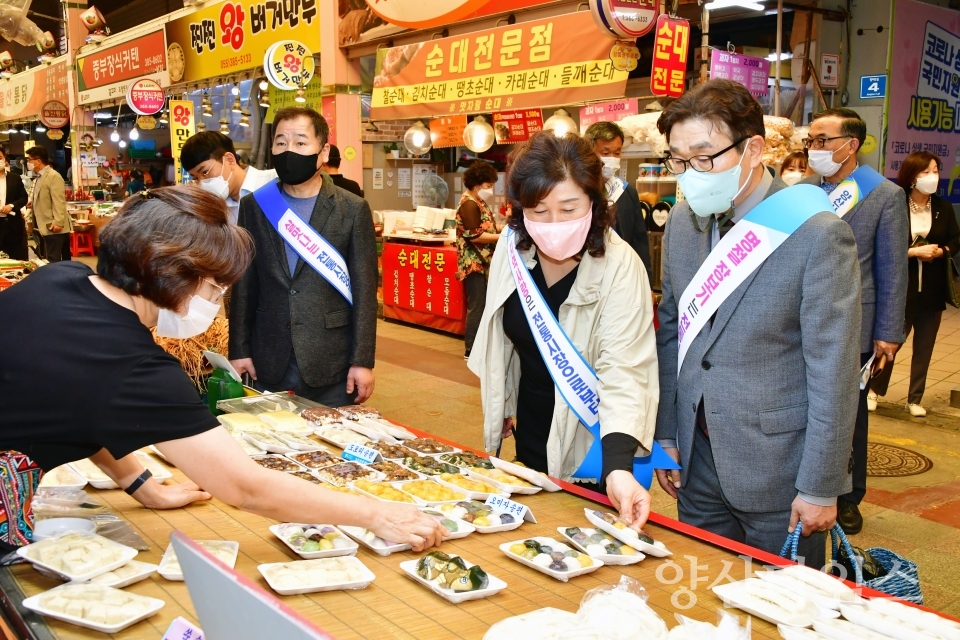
(795, 168)
(933, 233)
(476, 235)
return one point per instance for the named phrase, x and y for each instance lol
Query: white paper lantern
(560, 123)
(417, 139)
(478, 136)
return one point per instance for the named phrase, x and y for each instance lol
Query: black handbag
(953, 280)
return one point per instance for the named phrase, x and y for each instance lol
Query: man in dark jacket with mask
(304, 315)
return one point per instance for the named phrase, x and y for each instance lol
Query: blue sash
(312, 247)
(574, 378)
(851, 191)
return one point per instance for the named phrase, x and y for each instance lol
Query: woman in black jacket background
(933, 232)
(13, 228)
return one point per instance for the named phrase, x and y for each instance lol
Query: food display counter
(395, 606)
(420, 283)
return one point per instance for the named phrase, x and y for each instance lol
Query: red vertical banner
(670, 51)
(329, 106)
(420, 284)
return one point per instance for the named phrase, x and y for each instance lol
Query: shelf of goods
(393, 604)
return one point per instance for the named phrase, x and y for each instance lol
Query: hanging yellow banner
(183, 124)
(231, 36)
(280, 99)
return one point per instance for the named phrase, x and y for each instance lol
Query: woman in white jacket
(596, 287)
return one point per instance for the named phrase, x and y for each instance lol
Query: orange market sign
(670, 51)
(511, 127)
(529, 65)
(24, 94)
(227, 37)
(104, 74)
(54, 114)
(447, 131)
(421, 14)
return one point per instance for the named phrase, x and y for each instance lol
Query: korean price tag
(180, 629)
(507, 505)
(359, 453)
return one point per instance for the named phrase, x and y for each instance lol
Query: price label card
(180, 629)
(507, 505)
(359, 453)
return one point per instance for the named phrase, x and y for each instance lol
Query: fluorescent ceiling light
(725, 4)
(783, 56)
(102, 115)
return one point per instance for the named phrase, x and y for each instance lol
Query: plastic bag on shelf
(57, 502)
(728, 628)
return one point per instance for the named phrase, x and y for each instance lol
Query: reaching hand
(154, 495)
(244, 365)
(629, 498)
(404, 524)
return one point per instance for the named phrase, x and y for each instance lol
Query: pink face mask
(559, 240)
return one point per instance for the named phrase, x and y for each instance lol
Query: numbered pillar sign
(873, 87)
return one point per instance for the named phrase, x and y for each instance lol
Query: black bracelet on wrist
(136, 484)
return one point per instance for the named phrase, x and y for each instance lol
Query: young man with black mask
(304, 315)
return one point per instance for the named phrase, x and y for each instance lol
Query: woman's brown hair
(913, 165)
(165, 241)
(545, 161)
(795, 157)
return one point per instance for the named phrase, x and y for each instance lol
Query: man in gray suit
(291, 328)
(760, 416)
(882, 229)
(49, 204)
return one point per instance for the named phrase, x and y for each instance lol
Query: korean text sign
(517, 126)
(183, 124)
(613, 111)
(753, 73)
(528, 65)
(25, 93)
(422, 279)
(924, 94)
(671, 47)
(233, 36)
(447, 131)
(133, 59)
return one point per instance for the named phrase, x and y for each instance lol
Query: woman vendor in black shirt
(87, 380)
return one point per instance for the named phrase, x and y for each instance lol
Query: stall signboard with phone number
(671, 49)
(54, 114)
(132, 59)
(511, 127)
(422, 279)
(289, 65)
(183, 124)
(145, 96)
(233, 36)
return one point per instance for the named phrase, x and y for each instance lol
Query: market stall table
(393, 605)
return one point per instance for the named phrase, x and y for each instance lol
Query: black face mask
(293, 168)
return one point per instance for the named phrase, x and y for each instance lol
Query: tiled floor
(422, 380)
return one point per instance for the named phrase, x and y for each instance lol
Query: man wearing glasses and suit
(876, 210)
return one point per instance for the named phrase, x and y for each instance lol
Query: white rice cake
(284, 421)
(95, 603)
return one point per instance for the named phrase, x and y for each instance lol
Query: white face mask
(29, 166)
(218, 186)
(610, 166)
(711, 193)
(792, 177)
(200, 315)
(928, 184)
(485, 194)
(821, 160)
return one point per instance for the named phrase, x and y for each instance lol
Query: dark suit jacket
(945, 233)
(631, 226)
(347, 184)
(881, 225)
(273, 311)
(13, 228)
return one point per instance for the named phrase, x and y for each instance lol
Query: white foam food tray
(340, 436)
(453, 449)
(63, 477)
(495, 585)
(124, 554)
(884, 625)
(607, 558)
(562, 576)
(256, 439)
(170, 567)
(360, 535)
(752, 595)
(143, 571)
(846, 630)
(153, 605)
(497, 528)
(799, 633)
(284, 458)
(335, 458)
(371, 433)
(463, 528)
(268, 573)
(789, 580)
(278, 530)
(385, 426)
(623, 536)
(506, 488)
(473, 495)
(99, 480)
(526, 473)
(297, 442)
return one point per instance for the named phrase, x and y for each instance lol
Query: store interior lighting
(783, 56)
(726, 4)
(102, 115)
(201, 126)
(417, 139)
(263, 84)
(235, 90)
(224, 126)
(478, 135)
(122, 144)
(244, 118)
(134, 134)
(237, 107)
(560, 123)
(24, 129)
(115, 136)
(301, 95)
(206, 107)
(264, 100)
(164, 116)
(40, 128)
